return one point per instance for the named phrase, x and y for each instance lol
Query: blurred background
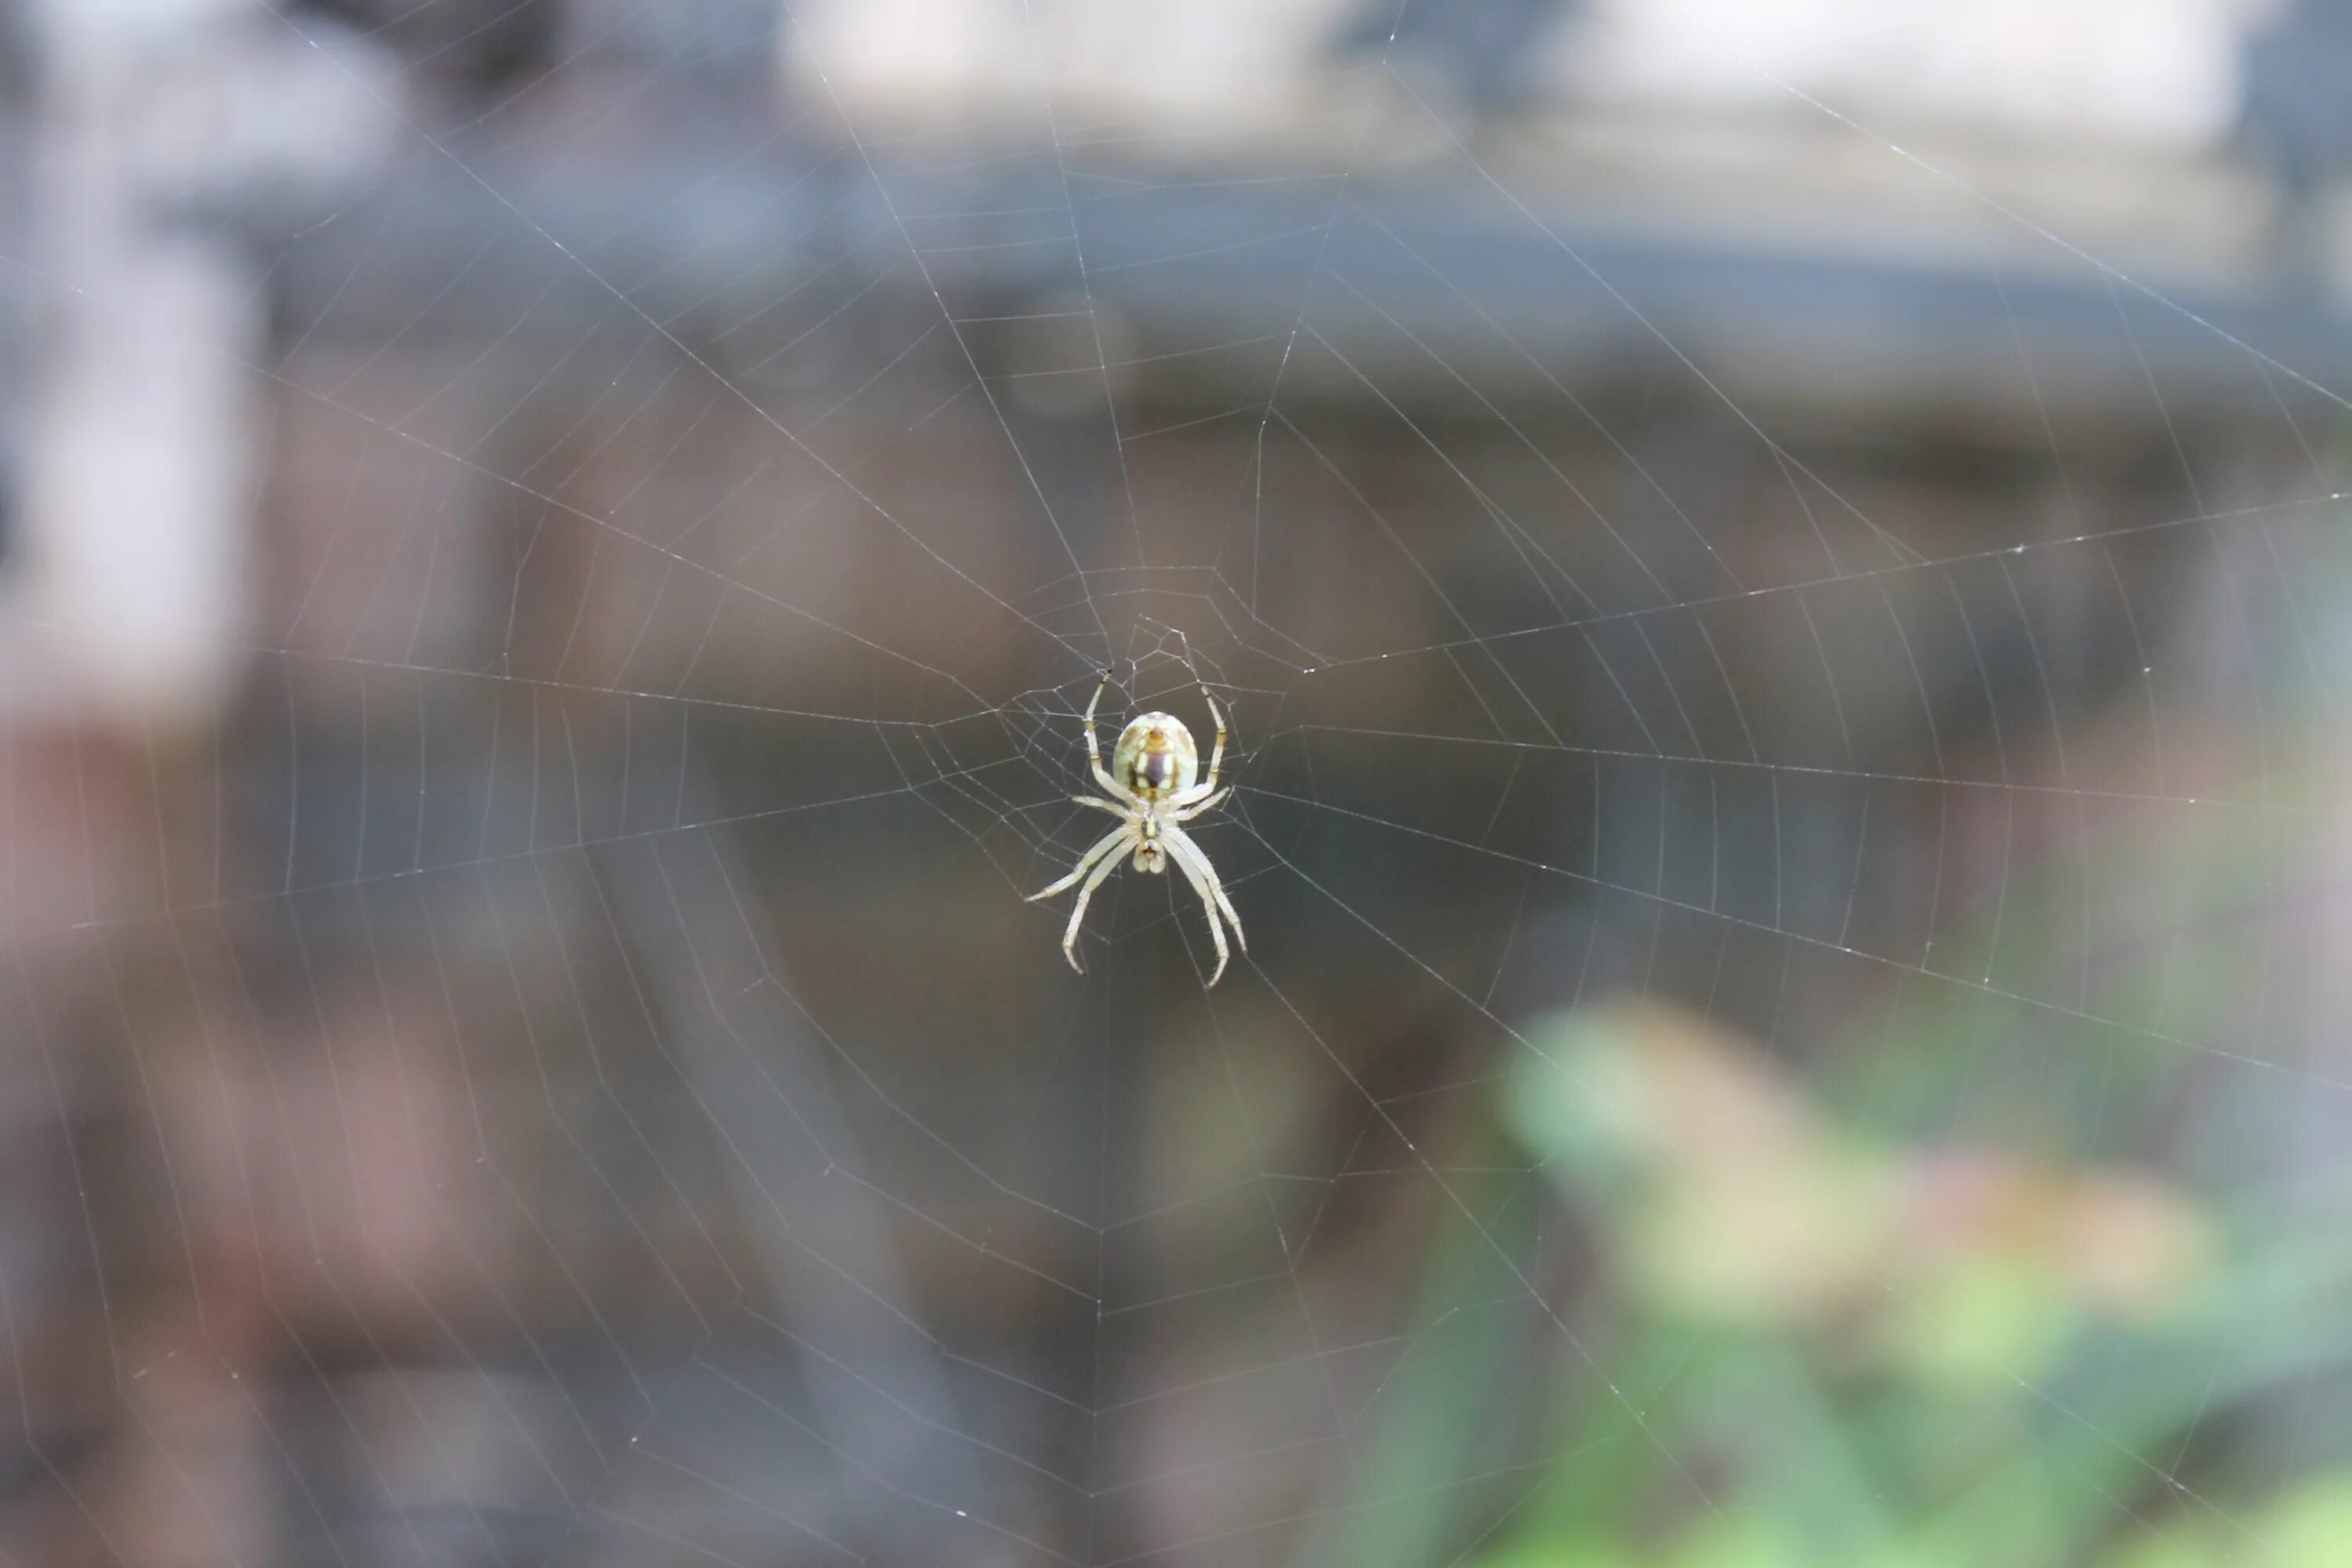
(1779, 576)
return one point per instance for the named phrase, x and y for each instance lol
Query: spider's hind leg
(1104, 846)
(1078, 914)
(1189, 858)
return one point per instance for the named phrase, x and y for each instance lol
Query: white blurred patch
(2162, 72)
(1215, 69)
(2153, 71)
(135, 491)
(125, 582)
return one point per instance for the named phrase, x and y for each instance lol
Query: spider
(1152, 792)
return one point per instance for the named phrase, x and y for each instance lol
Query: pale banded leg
(1196, 869)
(1070, 936)
(1216, 928)
(1203, 794)
(1196, 859)
(1217, 754)
(1187, 813)
(1103, 846)
(1111, 785)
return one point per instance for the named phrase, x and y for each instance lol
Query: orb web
(1781, 661)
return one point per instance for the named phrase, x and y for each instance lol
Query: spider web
(1790, 916)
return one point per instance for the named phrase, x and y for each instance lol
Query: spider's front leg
(1110, 786)
(1216, 752)
(1203, 794)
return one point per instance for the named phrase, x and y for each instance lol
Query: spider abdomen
(1155, 756)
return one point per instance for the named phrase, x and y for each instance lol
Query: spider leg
(1217, 754)
(1188, 852)
(1103, 846)
(1070, 936)
(1203, 877)
(1099, 803)
(1110, 786)
(1216, 934)
(1094, 751)
(1183, 811)
(1208, 907)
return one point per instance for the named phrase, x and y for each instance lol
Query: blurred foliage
(1816, 1313)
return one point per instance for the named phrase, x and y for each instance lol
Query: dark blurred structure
(558, 550)
(2296, 119)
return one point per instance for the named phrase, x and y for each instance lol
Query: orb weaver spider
(1150, 790)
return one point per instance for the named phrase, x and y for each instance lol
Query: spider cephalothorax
(1150, 790)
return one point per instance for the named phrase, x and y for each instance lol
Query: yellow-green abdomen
(1155, 757)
